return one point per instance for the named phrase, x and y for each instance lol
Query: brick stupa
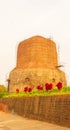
(37, 64)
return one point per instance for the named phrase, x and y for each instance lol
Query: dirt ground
(10, 121)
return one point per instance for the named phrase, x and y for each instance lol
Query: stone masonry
(37, 64)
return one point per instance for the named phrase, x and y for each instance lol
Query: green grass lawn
(55, 91)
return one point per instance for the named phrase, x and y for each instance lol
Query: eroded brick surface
(53, 109)
(37, 63)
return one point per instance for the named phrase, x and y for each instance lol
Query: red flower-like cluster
(29, 89)
(48, 86)
(39, 87)
(59, 85)
(17, 90)
(26, 89)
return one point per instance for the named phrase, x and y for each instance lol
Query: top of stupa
(37, 39)
(37, 52)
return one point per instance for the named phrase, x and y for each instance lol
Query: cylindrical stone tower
(37, 52)
(37, 64)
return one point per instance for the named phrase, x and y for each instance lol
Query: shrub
(59, 85)
(26, 89)
(3, 88)
(17, 90)
(39, 87)
(2, 94)
(48, 86)
(29, 89)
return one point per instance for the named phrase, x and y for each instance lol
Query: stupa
(37, 64)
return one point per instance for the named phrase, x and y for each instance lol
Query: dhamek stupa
(37, 64)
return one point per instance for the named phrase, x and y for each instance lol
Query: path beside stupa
(14, 122)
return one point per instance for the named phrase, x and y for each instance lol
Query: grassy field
(55, 91)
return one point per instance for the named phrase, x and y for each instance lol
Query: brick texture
(53, 109)
(37, 63)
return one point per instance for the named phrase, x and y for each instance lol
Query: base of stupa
(20, 78)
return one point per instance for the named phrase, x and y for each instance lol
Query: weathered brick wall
(34, 77)
(37, 52)
(53, 109)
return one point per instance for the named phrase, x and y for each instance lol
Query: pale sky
(21, 19)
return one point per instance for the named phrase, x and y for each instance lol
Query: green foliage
(3, 94)
(66, 89)
(55, 91)
(3, 91)
(3, 88)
